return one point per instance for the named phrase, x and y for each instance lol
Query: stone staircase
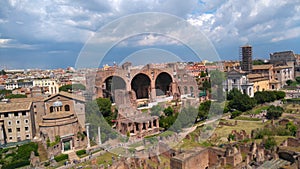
(73, 156)
(274, 164)
(42, 152)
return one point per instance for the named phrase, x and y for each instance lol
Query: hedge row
(80, 152)
(61, 157)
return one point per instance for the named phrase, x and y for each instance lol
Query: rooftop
(261, 67)
(188, 154)
(58, 115)
(66, 94)
(14, 107)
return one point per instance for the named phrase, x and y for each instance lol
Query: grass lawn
(248, 126)
(247, 118)
(292, 106)
(257, 109)
(106, 158)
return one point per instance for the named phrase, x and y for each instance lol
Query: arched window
(191, 89)
(51, 109)
(67, 108)
(185, 90)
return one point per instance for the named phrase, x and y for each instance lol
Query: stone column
(140, 127)
(88, 135)
(99, 136)
(152, 88)
(1, 134)
(157, 123)
(134, 128)
(147, 124)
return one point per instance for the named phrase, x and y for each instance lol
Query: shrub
(235, 114)
(270, 143)
(61, 157)
(16, 164)
(80, 152)
(274, 112)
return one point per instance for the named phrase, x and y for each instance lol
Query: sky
(52, 34)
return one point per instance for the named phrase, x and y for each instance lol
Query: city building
(238, 79)
(51, 86)
(17, 122)
(246, 61)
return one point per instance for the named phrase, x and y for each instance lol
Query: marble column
(88, 134)
(99, 136)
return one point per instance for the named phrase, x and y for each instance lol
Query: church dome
(57, 104)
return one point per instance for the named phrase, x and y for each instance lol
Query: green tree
(206, 85)
(168, 111)
(203, 110)
(289, 82)
(258, 62)
(96, 119)
(187, 116)
(292, 128)
(270, 143)
(4, 93)
(235, 114)
(274, 112)
(72, 87)
(242, 103)
(2, 72)
(104, 106)
(155, 110)
(202, 74)
(298, 79)
(12, 96)
(279, 94)
(234, 93)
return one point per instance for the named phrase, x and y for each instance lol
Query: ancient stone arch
(141, 85)
(162, 83)
(113, 83)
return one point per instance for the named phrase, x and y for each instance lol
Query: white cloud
(236, 22)
(10, 43)
(4, 41)
(289, 34)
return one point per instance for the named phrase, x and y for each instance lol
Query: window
(51, 109)
(5, 114)
(27, 136)
(9, 130)
(18, 122)
(16, 114)
(10, 138)
(67, 108)
(26, 128)
(34, 106)
(24, 113)
(26, 121)
(18, 129)
(185, 90)
(9, 122)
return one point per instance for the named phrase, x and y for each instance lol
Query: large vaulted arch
(141, 85)
(162, 83)
(113, 83)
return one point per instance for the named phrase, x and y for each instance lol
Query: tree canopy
(156, 110)
(203, 110)
(96, 119)
(274, 112)
(239, 101)
(12, 96)
(72, 87)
